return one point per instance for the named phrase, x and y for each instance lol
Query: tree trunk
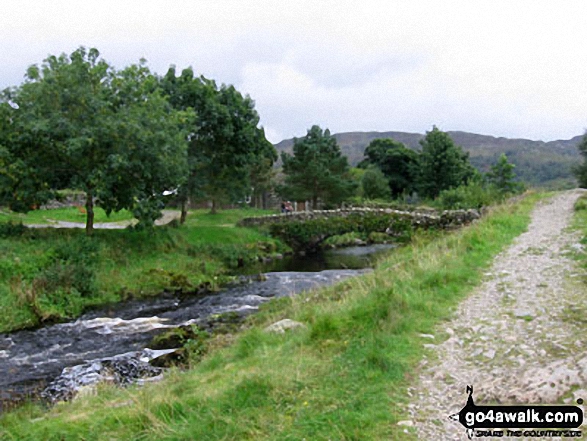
(184, 210)
(314, 202)
(89, 213)
(264, 200)
(213, 209)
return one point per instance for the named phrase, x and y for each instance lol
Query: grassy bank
(580, 224)
(52, 274)
(342, 377)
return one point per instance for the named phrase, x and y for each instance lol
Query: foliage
(472, 195)
(538, 163)
(443, 165)
(580, 171)
(581, 204)
(227, 149)
(67, 276)
(502, 175)
(399, 164)
(82, 125)
(11, 229)
(262, 176)
(317, 170)
(54, 274)
(374, 184)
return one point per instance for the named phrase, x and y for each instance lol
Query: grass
(54, 274)
(344, 377)
(70, 214)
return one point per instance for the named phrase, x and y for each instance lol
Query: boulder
(284, 325)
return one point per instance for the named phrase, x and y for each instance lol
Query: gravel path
(518, 338)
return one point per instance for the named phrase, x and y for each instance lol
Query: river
(110, 344)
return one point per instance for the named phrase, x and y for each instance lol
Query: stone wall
(418, 219)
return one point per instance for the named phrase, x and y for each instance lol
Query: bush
(472, 195)
(581, 204)
(71, 269)
(10, 229)
(375, 184)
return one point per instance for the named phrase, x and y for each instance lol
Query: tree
(443, 164)
(225, 140)
(502, 175)
(25, 168)
(262, 176)
(150, 156)
(580, 171)
(109, 134)
(375, 185)
(399, 164)
(317, 170)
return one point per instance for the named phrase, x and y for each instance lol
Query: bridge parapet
(306, 230)
(421, 217)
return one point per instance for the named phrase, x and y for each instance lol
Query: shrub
(472, 195)
(375, 184)
(71, 269)
(581, 204)
(10, 229)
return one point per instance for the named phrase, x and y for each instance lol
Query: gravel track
(518, 338)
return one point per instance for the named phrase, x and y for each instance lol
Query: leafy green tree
(502, 175)
(227, 148)
(317, 170)
(443, 164)
(375, 185)
(399, 164)
(110, 134)
(25, 168)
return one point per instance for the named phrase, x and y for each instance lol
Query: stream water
(56, 361)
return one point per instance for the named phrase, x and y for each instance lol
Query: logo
(514, 421)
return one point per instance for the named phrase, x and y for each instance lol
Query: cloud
(494, 67)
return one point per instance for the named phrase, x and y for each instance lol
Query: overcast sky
(504, 68)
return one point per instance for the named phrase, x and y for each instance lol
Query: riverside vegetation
(54, 274)
(343, 376)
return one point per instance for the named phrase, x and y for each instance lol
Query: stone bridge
(305, 230)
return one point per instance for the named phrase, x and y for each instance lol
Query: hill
(538, 163)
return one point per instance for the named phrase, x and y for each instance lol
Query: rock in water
(121, 369)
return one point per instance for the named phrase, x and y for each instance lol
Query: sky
(516, 69)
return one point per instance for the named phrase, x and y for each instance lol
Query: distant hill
(538, 163)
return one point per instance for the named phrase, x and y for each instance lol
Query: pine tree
(317, 171)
